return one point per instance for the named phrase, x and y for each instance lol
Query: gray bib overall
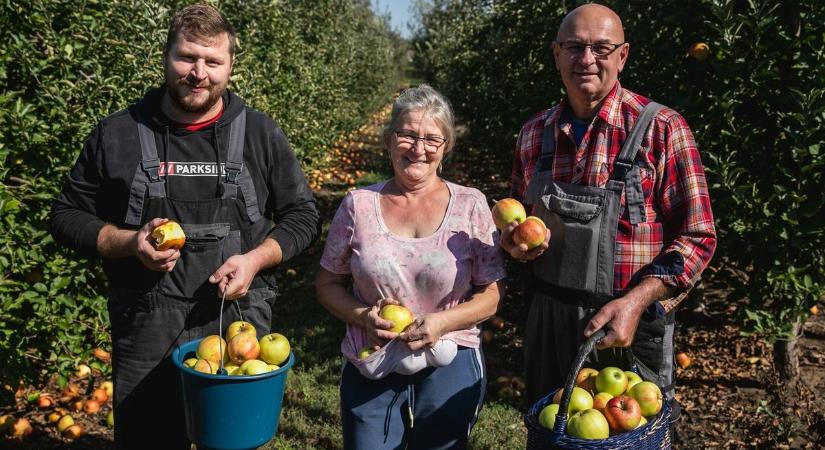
(167, 309)
(574, 277)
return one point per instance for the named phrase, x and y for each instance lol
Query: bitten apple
(531, 232)
(507, 211)
(274, 348)
(169, 235)
(622, 413)
(400, 317)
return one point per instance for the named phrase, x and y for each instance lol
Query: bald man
(619, 182)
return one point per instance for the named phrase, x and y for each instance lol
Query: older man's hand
(520, 251)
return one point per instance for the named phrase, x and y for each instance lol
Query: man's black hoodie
(97, 188)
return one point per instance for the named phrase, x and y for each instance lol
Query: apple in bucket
(274, 349)
(243, 347)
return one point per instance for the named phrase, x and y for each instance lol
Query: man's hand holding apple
(151, 257)
(521, 251)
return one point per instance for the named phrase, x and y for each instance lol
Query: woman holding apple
(429, 245)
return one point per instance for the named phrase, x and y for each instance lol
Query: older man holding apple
(619, 182)
(422, 257)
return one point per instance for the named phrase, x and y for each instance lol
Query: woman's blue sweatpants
(432, 409)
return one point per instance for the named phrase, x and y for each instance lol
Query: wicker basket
(655, 434)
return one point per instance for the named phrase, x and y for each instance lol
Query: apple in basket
(611, 380)
(212, 348)
(622, 413)
(274, 348)
(205, 366)
(588, 424)
(239, 326)
(600, 401)
(586, 379)
(649, 397)
(243, 347)
(547, 416)
(632, 379)
(579, 400)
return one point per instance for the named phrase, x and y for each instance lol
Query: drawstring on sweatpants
(410, 405)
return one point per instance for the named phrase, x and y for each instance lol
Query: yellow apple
(274, 348)
(239, 326)
(400, 317)
(169, 235)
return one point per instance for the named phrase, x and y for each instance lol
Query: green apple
(274, 348)
(109, 387)
(64, 423)
(243, 347)
(611, 380)
(366, 351)
(212, 348)
(507, 211)
(580, 400)
(110, 418)
(649, 397)
(254, 367)
(232, 369)
(547, 416)
(588, 424)
(642, 423)
(239, 326)
(400, 317)
(632, 379)
(190, 362)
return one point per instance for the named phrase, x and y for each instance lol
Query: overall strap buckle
(151, 167)
(232, 170)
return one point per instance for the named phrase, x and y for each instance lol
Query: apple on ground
(611, 380)
(45, 401)
(100, 395)
(531, 232)
(547, 416)
(588, 424)
(600, 401)
(243, 347)
(274, 348)
(109, 387)
(699, 51)
(83, 371)
(622, 413)
(56, 415)
(649, 397)
(6, 422)
(21, 428)
(507, 211)
(239, 326)
(254, 367)
(110, 418)
(65, 422)
(632, 379)
(168, 235)
(683, 360)
(586, 379)
(102, 355)
(212, 348)
(400, 317)
(91, 406)
(73, 432)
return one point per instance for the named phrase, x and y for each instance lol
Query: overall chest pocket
(575, 216)
(207, 247)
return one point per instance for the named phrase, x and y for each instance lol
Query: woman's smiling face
(414, 161)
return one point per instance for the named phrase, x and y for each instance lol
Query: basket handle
(584, 350)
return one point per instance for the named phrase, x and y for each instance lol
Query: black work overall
(573, 279)
(181, 305)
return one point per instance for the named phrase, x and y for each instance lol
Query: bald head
(591, 17)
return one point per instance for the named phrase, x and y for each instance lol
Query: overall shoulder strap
(544, 165)
(234, 174)
(147, 175)
(625, 170)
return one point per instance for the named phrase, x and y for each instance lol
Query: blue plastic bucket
(230, 412)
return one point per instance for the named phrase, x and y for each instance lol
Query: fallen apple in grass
(699, 51)
(56, 415)
(622, 413)
(400, 317)
(73, 432)
(243, 347)
(649, 397)
(65, 422)
(169, 235)
(110, 418)
(531, 232)
(274, 348)
(100, 395)
(21, 428)
(683, 360)
(507, 211)
(91, 406)
(6, 422)
(239, 326)
(611, 380)
(109, 387)
(588, 424)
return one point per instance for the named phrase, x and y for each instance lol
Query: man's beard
(178, 90)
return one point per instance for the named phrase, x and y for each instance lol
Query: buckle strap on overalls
(235, 176)
(625, 170)
(147, 175)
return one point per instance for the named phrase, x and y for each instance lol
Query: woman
(429, 245)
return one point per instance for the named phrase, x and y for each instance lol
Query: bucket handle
(221, 369)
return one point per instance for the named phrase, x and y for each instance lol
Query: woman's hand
(424, 332)
(377, 328)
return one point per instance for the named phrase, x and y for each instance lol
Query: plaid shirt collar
(609, 112)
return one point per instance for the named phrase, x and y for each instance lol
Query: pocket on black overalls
(207, 247)
(571, 212)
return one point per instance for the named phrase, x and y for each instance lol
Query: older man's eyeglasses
(599, 49)
(408, 138)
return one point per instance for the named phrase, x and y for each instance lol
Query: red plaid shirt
(678, 213)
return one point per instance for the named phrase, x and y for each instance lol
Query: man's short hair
(199, 21)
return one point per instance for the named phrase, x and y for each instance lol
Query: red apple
(100, 395)
(102, 355)
(622, 413)
(212, 348)
(169, 235)
(91, 406)
(400, 317)
(243, 347)
(586, 379)
(531, 232)
(699, 51)
(239, 326)
(588, 424)
(547, 416)
(649, 397)
(274, 348)
(611, 380)
(600, 401)
(45, 401)
(507, 211)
